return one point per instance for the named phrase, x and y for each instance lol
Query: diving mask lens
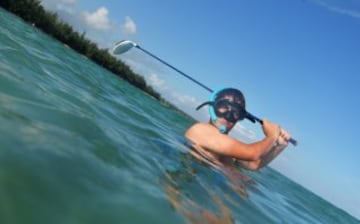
(231, 111)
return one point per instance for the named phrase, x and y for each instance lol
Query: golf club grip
(254, 118)
(293, 141)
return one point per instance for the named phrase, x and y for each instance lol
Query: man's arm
(281, 144)
(209, 138)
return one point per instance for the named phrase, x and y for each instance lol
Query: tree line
(34, 13)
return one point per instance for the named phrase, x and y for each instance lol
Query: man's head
(226, 107)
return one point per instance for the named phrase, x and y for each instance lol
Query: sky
(296, 61)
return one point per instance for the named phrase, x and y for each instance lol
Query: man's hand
(271, 130)
(283, 138)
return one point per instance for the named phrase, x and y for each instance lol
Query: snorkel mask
(227, 103)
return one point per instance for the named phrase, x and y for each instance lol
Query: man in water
(210, 140)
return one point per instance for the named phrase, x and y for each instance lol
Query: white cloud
(129, 26)
(341, 10)
(185, 101)
(188, 104)
(99, 19)
(188, 100)
(68, 1)
(182, 100)
(155, 81)
(60, 5)
(97, 25)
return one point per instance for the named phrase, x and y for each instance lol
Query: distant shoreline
(32, 12)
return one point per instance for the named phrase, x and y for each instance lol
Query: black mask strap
(203, 104)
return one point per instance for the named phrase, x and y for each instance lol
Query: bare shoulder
(210, 138)
(200, 130)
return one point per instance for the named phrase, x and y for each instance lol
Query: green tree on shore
(33, 12)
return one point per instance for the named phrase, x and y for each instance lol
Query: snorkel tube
(213, 116)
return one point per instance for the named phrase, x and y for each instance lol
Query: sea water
(81, 145)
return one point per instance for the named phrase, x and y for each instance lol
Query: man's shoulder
(199, 126)
(202, 132)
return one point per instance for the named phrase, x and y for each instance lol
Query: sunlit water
(80, 145)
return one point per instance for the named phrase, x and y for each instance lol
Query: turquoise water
(80, 145)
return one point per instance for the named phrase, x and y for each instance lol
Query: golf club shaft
(250, 116)
(182, 73)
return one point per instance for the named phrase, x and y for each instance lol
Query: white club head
(123, 46)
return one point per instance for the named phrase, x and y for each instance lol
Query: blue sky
(296, 61)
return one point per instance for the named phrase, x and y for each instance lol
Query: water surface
(80, 145)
